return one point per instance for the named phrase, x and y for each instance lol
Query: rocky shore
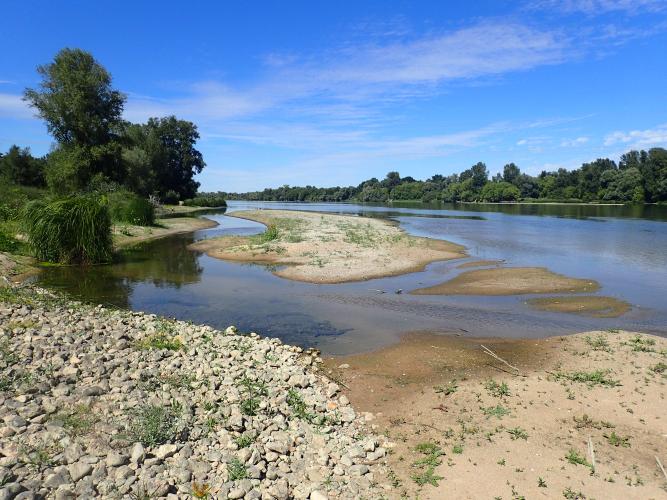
(96, 402)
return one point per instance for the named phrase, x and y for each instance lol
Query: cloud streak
(638, 139)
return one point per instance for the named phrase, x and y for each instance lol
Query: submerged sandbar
(509, 281)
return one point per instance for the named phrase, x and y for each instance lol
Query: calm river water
(623, 248)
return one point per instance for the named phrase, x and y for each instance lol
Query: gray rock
(79, 470)
(137, 454)
(115, 459)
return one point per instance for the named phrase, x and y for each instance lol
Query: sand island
(326, 248)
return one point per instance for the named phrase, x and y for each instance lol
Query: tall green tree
(18, 166)
(83, 112)
(162, 157)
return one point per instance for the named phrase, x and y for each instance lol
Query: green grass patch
(153, 425)
(427, 464)
(618, 441)
(74, 230)
(497, 411)
(160, 341)
(574, 458)
(497, 390)
(597, 377)
(236, 470)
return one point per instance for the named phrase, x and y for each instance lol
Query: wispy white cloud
(12, 106)
(593, 7)
(639, 138)
(570, 143)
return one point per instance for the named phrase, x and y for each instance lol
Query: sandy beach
(458, 415)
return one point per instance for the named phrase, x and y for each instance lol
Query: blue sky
(332, 93)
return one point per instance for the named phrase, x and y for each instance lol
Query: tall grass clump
(73, 230)
(130, 208)
(206, 200)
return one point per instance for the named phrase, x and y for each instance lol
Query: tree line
(638, 177)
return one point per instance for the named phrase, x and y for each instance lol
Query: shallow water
(623, 248)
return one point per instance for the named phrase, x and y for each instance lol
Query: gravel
(98, 402)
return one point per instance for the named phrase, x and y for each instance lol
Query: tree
(18, 166)
(76, 99)
(162, 157)
(393, 179)
(83, 113)
(500, 191)
(511, 173)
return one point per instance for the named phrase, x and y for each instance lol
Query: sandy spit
(328, 248)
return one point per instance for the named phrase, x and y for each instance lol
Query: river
(623, 248)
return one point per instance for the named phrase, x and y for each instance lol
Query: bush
(207, 200)
(171, 197)
(8, 243)
(70, 230)
(131, 209)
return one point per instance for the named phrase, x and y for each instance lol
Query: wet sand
(479, 263)
(587, 305)
(445, 392)
(509, 281)
(326, 248)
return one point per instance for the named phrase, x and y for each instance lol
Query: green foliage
(496, 389)
(130, 208)
(8, 243)
(73, 230)
(517, 433)
(574, 458)
(596, 377)
(236, 470)
(153, 425)
(495, 411)
(431, 460)
(76, 99)
(207, 200)
(500, 191)
(18, 166)
(160, 340)
(616, 440)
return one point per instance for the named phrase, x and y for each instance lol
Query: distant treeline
(638, 177)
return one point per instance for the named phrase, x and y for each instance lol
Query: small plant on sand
(457, 449)
(39, 455)
(570, 494)
(641, 344)
(541, 483)
(598, 343)
(597, 377)
(616, 440)
(574, 458)
(431, 460)
(517, 433)
(585, 421)
(659, 368)
(498, 411)
(271, 234)
(497, 390)
(447, 390)
(236, 470)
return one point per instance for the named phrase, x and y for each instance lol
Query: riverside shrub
(130, 208)
(73, 230)
(206, 200)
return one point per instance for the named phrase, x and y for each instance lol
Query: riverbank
(327, 248)
(119, 404)
(468, 425)
(127, 235)
(16, 268)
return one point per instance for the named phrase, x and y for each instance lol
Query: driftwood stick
(494, 355)
(664, 473)
(592, 452)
